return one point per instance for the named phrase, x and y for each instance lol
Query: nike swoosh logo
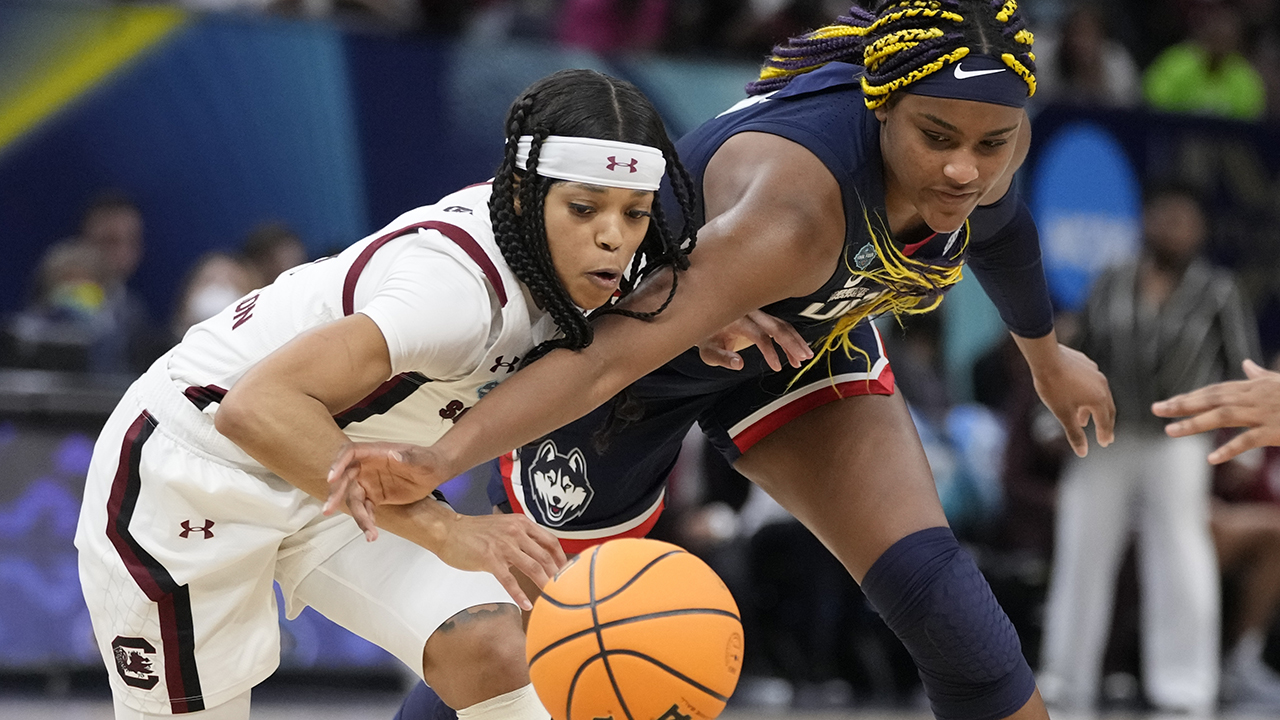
(962, 74)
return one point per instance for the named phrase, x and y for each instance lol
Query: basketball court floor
(381, 706)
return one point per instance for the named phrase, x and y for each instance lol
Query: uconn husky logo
(633, 165)
(560, 488)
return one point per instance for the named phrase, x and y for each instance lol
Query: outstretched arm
(776, 231)
(281, 414)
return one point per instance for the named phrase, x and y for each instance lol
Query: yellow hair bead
(913, 12)
(1025, 37)
(1006, 12)
(878, 95)
(1022, 71)
(834, 31)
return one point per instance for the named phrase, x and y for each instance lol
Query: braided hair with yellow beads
(899, 42)
(904, 44)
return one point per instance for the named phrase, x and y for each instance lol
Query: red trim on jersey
(573, 546)
(459, 237)
(911, 249)
(761, 429)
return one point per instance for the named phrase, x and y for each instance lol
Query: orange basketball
(635, 630)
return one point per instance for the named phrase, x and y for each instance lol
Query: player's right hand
(1253, 404)
(497, 543)
(367, 474)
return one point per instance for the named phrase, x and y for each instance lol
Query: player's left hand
(1252, 404)
(1074, 389)
(762, 330)
(364, 475)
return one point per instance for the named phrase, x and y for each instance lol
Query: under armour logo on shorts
(207, 529)
(634, 165)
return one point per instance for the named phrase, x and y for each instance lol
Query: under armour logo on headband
(633, 166)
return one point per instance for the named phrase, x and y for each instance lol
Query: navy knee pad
(931, 594)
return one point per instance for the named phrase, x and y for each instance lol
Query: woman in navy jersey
(872, 161)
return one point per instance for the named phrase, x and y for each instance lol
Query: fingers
(535, 563)
(1214, 419)
(752, 329)
(1186, 404)
(1240, 443)
(1253, 370)
(1079, 441)
(512, 586)
(362, 510)
(770, 353)
(797, 350)
(337, 492)
(1104, 423)
(1074, 427)
(342, 461)
(340, 477)
(716, 356)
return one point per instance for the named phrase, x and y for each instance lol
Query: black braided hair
(901, 41)
(581, 103)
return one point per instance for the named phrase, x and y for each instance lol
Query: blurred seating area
(158, 161)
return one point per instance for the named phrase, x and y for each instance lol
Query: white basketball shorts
(179, 547)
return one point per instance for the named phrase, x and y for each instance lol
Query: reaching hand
(1252, 403)
(755, 328)
(1075, 390)
(368, 474)
(497, 543)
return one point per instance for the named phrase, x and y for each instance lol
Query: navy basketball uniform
(602, 476)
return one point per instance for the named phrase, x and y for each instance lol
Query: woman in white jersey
(206, 483)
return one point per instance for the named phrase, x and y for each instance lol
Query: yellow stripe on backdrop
(98, 42)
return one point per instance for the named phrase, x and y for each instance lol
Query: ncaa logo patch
(132, 661)
(559, 485)
(864, 257)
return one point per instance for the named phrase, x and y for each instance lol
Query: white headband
(596, 162)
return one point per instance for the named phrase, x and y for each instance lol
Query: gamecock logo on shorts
(133, 663)
(560, 487)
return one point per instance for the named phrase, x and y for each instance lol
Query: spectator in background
(1246, 532)
(1165, 323)
(112, 225)
(1080, 64)
(271, 249)
(62, 329)
(610, 27)
(1207, 73)
(217, 280)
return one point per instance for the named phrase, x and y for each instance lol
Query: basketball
(635, 630)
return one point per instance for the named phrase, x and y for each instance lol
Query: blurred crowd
(1220, 57)
(83, 315)
(1139, 576)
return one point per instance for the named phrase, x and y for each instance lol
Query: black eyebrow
(948, 126)
(589, 187)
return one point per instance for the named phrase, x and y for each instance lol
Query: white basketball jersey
(456, 320)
